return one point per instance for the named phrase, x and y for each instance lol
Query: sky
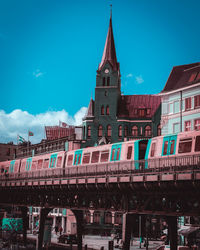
(50, 51)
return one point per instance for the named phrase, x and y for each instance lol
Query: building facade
(181, 100)
(114, 117)
(8, 151)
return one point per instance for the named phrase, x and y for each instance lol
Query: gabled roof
(179, 77)
(109, 54)
(130, 103)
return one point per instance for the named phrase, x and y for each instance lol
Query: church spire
(109, 54)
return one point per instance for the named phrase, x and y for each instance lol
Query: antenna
(110, 11)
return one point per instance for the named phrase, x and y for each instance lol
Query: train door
(11, 168)
(52, 162)
(139, 151)
(28, 164)
(116, 152)
(77, 157)
(169, 145)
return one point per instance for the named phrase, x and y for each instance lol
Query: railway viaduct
(169, 191)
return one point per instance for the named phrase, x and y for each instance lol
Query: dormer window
(192, 77)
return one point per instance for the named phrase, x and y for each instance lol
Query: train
(181, 149)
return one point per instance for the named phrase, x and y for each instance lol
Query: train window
(34, 165)
(23, 166)
(172, 147)
(79, 159)
(95, 157)
(69, 160)
(153, 147)
(197, 144)
(46, 163)
(185, 146)
(40, 162)
(118, 154)
(129, 152)
(113, 154)
(59, 162)
(104, 156)
(165, 148)
(76, 159)
(86, 158)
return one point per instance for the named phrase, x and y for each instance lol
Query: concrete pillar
(126, 231)
(172, 231)
(43, 214)
(113, 218)
(91, 216)
(24, 211)
(79, 222)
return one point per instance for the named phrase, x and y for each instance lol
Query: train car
(43, 165)
(9, 168)
(173, 150)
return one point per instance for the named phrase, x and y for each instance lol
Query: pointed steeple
(109, 54)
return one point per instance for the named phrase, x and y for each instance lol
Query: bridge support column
(79, 226)
(172, 231)
(24, 211)
(43, 214)
(126, 230)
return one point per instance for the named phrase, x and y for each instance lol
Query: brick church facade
(113, 117)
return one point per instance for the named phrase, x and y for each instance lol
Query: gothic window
(120, 131)
(109, 130)
(107, 110)
(135, 131)
(125, 131)
(147, 130)
(159, 130)
(108, 81)
(104, 81)
(89, 131)
(100, 131)
(102, 110)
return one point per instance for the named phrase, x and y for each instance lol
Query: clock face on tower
(106, 71)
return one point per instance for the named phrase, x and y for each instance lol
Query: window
(104, 156)
(188, 103)
(126, 131)
(159, 130)
(34, 165)
(104, 81)
(69, 160)
(59, 162)
(129, 152)
(192, 77)
(118, 154)
(135, 131)
(197, 101)
(153, 147)
(197, 144)
(113, 154)
(176, 107)
(40, 162)
(107, 110)
(197, 124)
(165, 148)
(95, 157)
(172, 143)
(148, 111)
(89, 131)
(120, 131)
(187, 125)
(109, 130)
(86, 158)
(141, 112)
(46, 163)
(185, 146)
(147, 131)
(171, 108)
(100, 131)
(102, 110)
(108, 81)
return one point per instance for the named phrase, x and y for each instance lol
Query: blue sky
(50, 51)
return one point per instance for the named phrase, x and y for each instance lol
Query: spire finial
(110, 11)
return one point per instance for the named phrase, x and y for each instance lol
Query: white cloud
(129, 75)
(139, 79)
(19, 122)
(38, 73)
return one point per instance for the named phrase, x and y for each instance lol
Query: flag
(30, 133)
(20, 139)
(62, 124)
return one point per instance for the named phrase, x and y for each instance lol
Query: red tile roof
(179, 76)
(129, 103)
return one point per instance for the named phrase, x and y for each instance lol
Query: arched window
(147, 130)
(125, 131)
(135, 131)
(108, 81)
(102, 110)
(159, 130)
(109, 131)
(89, 131)
(104, 81)
(107, 110)
(100, 131)
(120, 131)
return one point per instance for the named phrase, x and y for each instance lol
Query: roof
(129, 103)
(90, 110)
(179, 76)
(109, 54)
